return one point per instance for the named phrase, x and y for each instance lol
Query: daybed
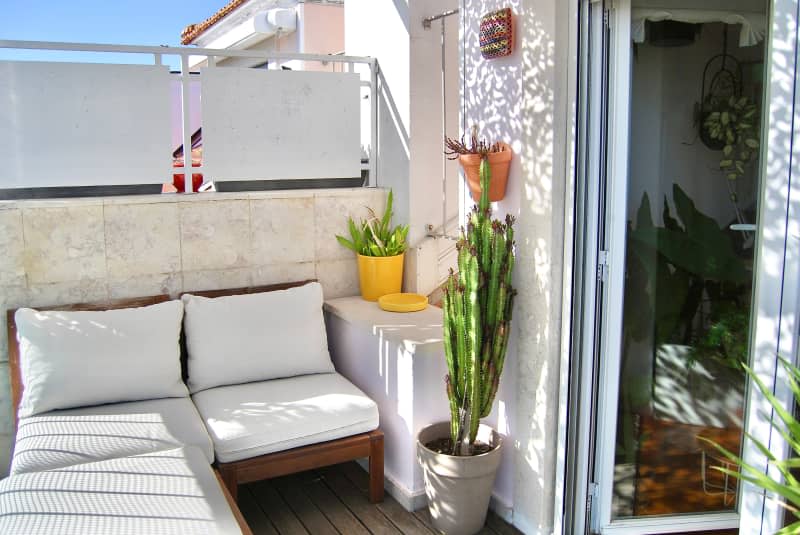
(122, 407)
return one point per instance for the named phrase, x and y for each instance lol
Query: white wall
(426, 113)
(524, 99)
(411, 137)
(379, 28)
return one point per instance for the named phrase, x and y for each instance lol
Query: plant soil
(445, 445)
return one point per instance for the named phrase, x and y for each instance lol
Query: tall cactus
(478, 301)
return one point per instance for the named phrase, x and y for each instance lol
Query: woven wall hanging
(497, 34)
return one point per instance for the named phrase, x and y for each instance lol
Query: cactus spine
(478, 301)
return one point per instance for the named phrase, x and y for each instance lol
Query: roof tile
(192, 31)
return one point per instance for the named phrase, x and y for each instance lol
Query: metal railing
(345, 64)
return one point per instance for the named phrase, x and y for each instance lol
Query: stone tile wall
(80, 250)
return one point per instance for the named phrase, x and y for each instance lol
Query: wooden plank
(276, 509)
(366, 512)
(300, 459)
(254, 515)
(406, 522)
(249, 289)
(327, 502)
(501, 526)
(425, 517)
(289, 487)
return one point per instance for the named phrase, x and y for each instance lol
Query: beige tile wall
(79, 250)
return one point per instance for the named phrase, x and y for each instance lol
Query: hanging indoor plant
(380, 249)
(470, 156)
(734, 124)
(460, 457)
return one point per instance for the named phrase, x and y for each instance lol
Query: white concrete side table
(397, 359)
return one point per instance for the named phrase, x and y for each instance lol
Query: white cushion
(72, 359)
(66, 437)
(169, 492)
(244, 338)
(257, 418)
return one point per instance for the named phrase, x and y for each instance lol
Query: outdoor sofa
(143, 415)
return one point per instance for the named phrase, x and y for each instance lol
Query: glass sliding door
(686, 109)
(696, 101)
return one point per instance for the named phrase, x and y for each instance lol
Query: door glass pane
(695, 121)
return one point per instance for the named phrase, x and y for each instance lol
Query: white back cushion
(254, 337)
(73, 359)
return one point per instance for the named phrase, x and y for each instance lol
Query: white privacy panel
(261, 124)
(79, 124)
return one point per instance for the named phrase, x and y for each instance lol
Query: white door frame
(775, 327)
(776, 294)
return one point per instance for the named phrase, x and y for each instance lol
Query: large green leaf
(705, 254)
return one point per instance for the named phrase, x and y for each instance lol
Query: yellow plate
(403, 302)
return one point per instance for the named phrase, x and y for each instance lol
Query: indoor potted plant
(380, 251)
(460, 457)
(470, 156)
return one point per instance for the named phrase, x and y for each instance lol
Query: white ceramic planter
(458, 488)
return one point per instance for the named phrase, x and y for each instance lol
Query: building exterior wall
(379, 28)
(525, 99)
(322, 28)
(410, 129)
(82, 250)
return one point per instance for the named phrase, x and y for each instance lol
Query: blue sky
(135, 22)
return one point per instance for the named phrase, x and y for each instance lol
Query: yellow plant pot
(380, 275)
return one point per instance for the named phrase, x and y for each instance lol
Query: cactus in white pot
(478, 301)
(460, 457)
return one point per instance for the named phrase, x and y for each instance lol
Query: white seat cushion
(83, 358)
(245, 338)
(62, 438)
(257, 418)
(172, 491)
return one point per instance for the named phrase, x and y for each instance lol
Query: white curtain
(754, 25)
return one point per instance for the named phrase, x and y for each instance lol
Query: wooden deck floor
(334, 501)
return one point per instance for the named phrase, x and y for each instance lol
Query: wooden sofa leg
(228, 475)
(376, 467)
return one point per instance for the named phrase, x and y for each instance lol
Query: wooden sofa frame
(369, 444)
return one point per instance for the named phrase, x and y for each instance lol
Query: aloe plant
(478, 301)
(374, 236)
(789, 428)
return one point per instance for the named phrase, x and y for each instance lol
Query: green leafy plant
(478, 301)
(374, 236)
(685, 283)
(734, 123)
(789, 429)
(673, 269)
(726, 338)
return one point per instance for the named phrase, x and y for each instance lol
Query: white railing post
(186, 126)
(373, 148)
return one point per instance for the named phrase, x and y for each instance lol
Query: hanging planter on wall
(722, 81)
(497, 154)
(497, 34)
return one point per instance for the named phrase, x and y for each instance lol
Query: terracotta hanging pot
(499, 163)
